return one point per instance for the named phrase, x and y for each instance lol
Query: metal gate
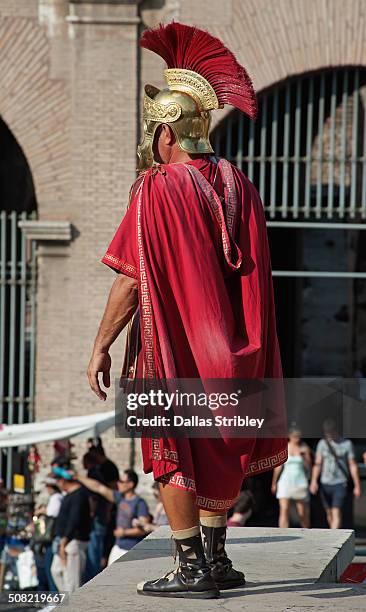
(17, 328)
(307, 152)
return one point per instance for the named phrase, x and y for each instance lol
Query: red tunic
(206, 307)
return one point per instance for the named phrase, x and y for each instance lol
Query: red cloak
(206, 309)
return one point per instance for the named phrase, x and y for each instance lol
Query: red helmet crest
(189, 48)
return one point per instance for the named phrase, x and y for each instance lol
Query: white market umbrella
(88, 425)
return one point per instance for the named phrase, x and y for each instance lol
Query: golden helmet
(202, 76)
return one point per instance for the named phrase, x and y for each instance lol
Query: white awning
(88, 425)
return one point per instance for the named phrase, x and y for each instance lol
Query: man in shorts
(336, 465)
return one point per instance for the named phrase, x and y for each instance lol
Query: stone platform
(286, 570)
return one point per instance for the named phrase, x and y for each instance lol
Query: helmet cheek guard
(180, 110)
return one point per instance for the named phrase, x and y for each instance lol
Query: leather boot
(222, 571)
(192, 578)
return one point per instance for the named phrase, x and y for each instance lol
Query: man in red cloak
(195, 275)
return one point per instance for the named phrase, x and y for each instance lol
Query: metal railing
(306, 153)
(17, 328)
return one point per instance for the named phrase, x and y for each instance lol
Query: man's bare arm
(317, 468)
(353, 468)
(96, 487)
(121, 305)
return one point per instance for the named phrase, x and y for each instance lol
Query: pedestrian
(108, 468)
(44, 535)
(130, 507)
(72, 535)
(100, 510)
(290, 482)
(52, 511)
(159, 517)
(192, 252)
(61, 461)
(336, 466)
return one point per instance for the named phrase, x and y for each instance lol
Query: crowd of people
(94, 517)
(90, 520)
(332, 473)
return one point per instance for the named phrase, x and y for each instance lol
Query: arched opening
(16, 184)
(306, 155)
(17, 295)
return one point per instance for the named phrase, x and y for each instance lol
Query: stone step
(283, 567)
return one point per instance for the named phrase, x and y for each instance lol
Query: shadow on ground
(165, 548)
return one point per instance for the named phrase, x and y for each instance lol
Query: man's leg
(95, 550)
(83, 548)
(329, 515)
(75, 563)
(214, 527)
(180, 508)
(58, 571)
(41, 572)
(92, 566)
(192, 578)
(336, 498)
(48, 558)
(336, 518)
(72, 576)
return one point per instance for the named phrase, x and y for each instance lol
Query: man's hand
(357, 491)
(314, 488)
(119, 532)
(100, 362)
(103, 562)
(62, 553)
(121, 305)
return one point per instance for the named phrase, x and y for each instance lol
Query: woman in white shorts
(290, 481)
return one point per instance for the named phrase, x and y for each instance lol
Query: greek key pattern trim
(216, 207)
(214, 504)
(147, 330)
(165, 453)
(188, 484)
(267, 463)
(182, 482)
(121, 265)
(231, 201)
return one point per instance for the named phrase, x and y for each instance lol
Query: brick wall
(104, 91)
(68, 91)
(17, 8)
